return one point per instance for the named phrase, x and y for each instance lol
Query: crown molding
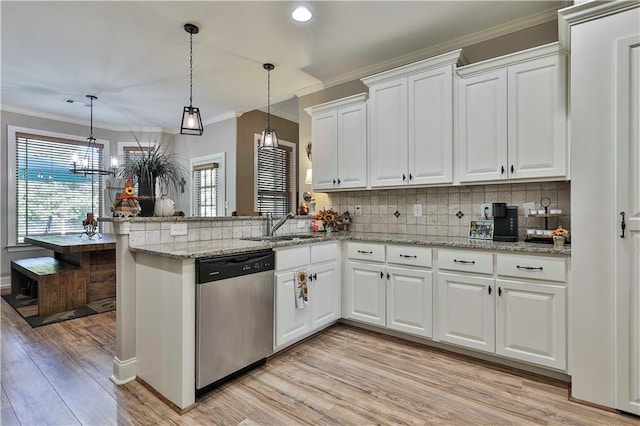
(281, 114)
(585, 12)
(480, 36)
(73, 120)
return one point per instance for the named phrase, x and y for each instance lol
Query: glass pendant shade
(269, 138)
(191, 121)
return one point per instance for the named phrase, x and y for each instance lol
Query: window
(207, 182)
(48, 198)
(275, 184)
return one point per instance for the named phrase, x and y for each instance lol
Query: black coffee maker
(505, 222)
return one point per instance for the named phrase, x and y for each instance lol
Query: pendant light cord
(190, 68)
(269, 99)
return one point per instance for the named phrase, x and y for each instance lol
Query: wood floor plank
(344, 376)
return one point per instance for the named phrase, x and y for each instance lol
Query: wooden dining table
(96, 257)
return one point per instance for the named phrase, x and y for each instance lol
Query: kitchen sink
(285, 237)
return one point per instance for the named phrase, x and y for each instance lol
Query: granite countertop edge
(202, 249)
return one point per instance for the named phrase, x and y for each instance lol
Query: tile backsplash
(440, 207)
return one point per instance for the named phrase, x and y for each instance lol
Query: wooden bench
(62, 286)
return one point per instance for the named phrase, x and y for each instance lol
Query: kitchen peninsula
(155, 339)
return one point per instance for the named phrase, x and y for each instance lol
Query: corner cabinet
(339, 137)
(411, 123)
(396, 294)
(511, 118)
(322, 263)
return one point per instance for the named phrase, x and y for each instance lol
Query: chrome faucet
(271, 228)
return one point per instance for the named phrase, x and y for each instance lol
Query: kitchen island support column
(124, 363)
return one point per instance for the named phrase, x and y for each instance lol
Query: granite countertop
(200, 249)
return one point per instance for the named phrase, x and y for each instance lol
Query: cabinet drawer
(532, 267)
(324, 252)
(366, 251)
(466, 261)
(294, 257)
(409, 255)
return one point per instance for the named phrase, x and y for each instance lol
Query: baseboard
(5, 284)
(123, 371)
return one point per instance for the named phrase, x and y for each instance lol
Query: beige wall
(249, 124)
(217, 138)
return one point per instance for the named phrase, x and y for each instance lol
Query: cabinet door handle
(334, 181)
(381, 274)
(388, 275)
(406, 255)
(315, 277)
(339, 181)
(530, 268)
(499, 291)
(512, 169)
(410, 176)
(502, 169)
(404, 177)
(489, 289)
(623, 225)
(365, 252)
(467, 262)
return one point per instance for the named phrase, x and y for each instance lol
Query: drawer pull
(530, 268)
(406, 255)
(365, 252)
(466, 262)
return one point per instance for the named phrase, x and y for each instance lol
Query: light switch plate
(529, 208)
(489, 211)
(417, 210)
(178, 229)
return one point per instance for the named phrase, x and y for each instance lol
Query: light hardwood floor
(59, 374)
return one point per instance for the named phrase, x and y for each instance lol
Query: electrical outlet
(358, 210)
(178, 229)
(486, 209)
(303, 224)
(417, 210)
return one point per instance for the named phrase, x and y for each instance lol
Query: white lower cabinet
(409, 301)
(466, 311)
(321, 261)
(531, 322)
(523, 319)
(366, 292)
(396, 294)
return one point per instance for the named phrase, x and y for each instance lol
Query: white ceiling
(134, 55)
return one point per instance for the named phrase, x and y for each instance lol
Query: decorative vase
(558, 241)
(146, 197)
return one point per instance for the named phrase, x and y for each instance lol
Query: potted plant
(559, 236)
(151, 165)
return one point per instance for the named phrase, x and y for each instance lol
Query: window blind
(275, 180)
(205, 186)
(49, 198)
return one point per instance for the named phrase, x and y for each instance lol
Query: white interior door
(628, 208)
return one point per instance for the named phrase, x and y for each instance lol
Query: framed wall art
(481, 230)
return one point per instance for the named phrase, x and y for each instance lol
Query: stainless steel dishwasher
(234, 316)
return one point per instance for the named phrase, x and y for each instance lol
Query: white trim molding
(219, 158)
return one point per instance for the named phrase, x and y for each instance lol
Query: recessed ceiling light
(301, 14)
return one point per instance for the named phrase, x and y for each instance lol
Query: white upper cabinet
(511, 119)
(339, 137)
(411, 123)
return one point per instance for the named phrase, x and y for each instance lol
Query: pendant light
(269, 138)
(191, 120)
(87, 168)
